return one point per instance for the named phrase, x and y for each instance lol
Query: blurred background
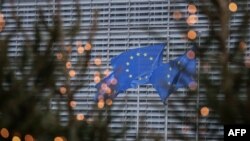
(54, 52)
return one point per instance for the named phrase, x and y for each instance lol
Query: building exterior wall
(123, 25)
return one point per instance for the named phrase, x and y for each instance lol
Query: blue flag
(107, 88)
(178, 73)
(130, 69)
(144, 66)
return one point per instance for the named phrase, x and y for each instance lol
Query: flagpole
(137, 117)
(166, 102)
(138, 109)
(198, 92)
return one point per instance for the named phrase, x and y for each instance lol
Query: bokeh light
(247, 61)
(63, 90)
(108, 90)
(29, 138)
(58, 139)
(100, 97)
(90, 120)
(191, 34)
(97, 73)
(97, 79)
(98, 61)
(80, 50)
(72, 73)
(88, 46)
(106, 72)
(204, 111)
(109, 102)
(233, 7)
(68, 49)
(16, 138)
(59, 56)
(192, 86)
(242, 45)
(191, 54)
(68, 65)
(80, 117)
(113, 81)
(177, 15)
(78, 43)
(4, 133)
(192, 19)
(73, 104)
(192, 9)
(100, 104)
(104, 86)
(2, 22)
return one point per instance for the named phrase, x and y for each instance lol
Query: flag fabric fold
(133, 68)
(178, 73)
(144, 66)
(130, 69)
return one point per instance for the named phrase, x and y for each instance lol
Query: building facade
(123, 25)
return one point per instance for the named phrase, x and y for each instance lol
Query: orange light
(78, 43)
(68, 65)
(58, 139)
(63, 90)
(106, 72)
(1, 15)
(68, 49)
(242, 45)
(109, 102)
(105, 88)
(191, 35)
(59, 56)
(108, 90)
(233, 7)
(73, 104)
(29, 138)
(88, 46)
(97, 79)
(4, 133)
(100, 104)
(204, 111)
(97, 73)
(80, 117)
(100, 97)
(16, 138)
(114, 81)
(2, 22)
(80, 50)
(98, 61)
(192, 9)
(177, 15)
(192, 19)
(72, 73)
(191, 54)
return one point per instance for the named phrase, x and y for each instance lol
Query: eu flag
(130, 69)
(144, 66)
(178, 73)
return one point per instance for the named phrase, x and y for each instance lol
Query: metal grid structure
(124, 25)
